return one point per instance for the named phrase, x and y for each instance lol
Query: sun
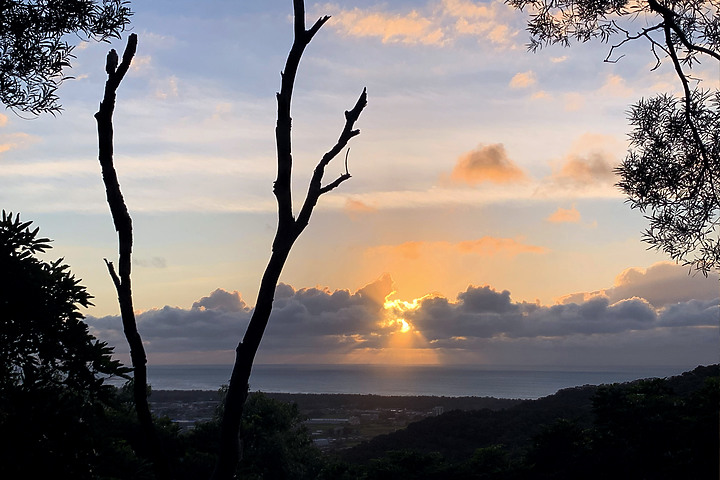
(395, 311)
(404, 343)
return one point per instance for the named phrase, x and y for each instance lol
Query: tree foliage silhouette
(672, 170)
(52, 390)
(34, 48)
(288, 230)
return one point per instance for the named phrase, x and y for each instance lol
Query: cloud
(309, 318)
(320, 325)
(222, 301)
(485, 247)
(482, 312)
(437, 23)
(587, 167)
(12, 141)
(523, 80)
(466, 9)
(487, 163)
(564, 215)
(168, 88)
(141, 63)
(615, 86)
(154, 262)
(407, 250)
(497, 34)
(3, 120)
(491, 246)
(222, 111)
(662, 284)
(409, 28)
(573, 101)
(581, 171)
(355, 208)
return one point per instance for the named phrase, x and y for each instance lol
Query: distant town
(335, 421)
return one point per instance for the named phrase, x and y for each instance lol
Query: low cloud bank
(650, 316)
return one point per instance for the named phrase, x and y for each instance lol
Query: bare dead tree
(288, 230)
(123, 226)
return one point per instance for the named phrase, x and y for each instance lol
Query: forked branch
(315, 189)
(288, 230)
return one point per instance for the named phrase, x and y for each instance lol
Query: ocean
(453, 381)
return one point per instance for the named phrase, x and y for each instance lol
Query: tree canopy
(672, 169)
(35, 46)
(51, 368)
(674, 178)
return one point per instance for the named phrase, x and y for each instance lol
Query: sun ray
(405, 342)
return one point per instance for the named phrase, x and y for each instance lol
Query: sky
(481, 224)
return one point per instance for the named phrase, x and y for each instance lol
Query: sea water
(482, 381)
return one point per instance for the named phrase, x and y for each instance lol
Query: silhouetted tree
(288, 230)
(52, 391)
(276, 443)
(672, 170)
(123, 225)
(672, 173)
(34, 46)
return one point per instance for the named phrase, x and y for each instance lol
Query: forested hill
(676, 416)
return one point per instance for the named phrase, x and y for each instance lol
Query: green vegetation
(60, 419)
(35, 48)
(53, 404)
(658, 428)
(275, 443)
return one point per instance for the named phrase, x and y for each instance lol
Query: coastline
(530, 382)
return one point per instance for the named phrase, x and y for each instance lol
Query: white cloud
(140, 64)
(616, 86)
(565, 215)
(573, 101)
(523, 80)
(168, 88)
(437, 23)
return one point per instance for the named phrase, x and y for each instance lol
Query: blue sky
(481, 167)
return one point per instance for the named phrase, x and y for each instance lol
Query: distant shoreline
(435, 381)
(321, 401)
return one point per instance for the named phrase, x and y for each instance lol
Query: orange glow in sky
(405, 344)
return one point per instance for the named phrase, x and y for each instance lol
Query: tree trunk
(288, 230)
(123, 225)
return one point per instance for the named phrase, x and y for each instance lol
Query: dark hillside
(457, 434)
(313, 401)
